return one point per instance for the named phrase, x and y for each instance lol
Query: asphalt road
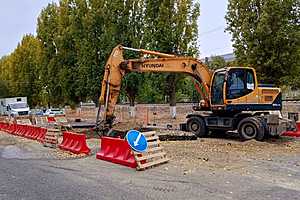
(26, 176)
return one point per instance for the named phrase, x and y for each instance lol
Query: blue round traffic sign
(137, 141)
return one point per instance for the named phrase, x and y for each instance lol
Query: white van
(16, 106)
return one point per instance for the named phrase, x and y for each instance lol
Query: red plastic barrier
(23, 130)
(74, 142)
(30, 133)
(42, 134)
(3, 126)
(27, 131)
(12, 128)
(6, 127)
(19, 130)
(51, 119)
(116, 150)
(293, 133)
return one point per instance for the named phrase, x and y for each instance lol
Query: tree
(132, 84)
(127, 21)
(152, 88)
(171, 27)
(266, 35)
(4, 92)
(24, 64)
(186, 90)
(47, 29)
(64, 63)
(5, 67)
(216, 62)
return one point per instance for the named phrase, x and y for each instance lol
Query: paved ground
(30, 171)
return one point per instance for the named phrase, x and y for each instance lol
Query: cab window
(250, 80)
(217, 88)
(240, 82)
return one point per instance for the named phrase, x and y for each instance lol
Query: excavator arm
(116, 68)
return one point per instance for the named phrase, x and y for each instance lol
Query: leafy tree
(127, 21)
(171, 27)
(216, 62)
(152, 88)
(23, 67)
(4, 76)
(47, 29)
(266, 35)
(186, 90)
(132, 84)
(4, 92)
(64, 63)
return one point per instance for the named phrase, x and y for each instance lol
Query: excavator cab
(237, 89)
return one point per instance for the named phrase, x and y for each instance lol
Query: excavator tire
(197, 126)
(251, 128)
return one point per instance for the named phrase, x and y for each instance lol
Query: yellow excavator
(232, 99)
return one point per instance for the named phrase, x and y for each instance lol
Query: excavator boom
(116, 67)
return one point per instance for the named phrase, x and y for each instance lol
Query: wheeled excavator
(232, 99)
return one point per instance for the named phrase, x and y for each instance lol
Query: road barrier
(51, 120)
(75, 143)
(27, 131)
(293, 133)
(42, 134)
(30, 132)
(19, 130)
(117, 151)
(4, 126)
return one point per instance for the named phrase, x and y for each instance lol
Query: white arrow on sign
(136, 142)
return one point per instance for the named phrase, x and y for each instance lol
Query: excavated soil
(227, 154)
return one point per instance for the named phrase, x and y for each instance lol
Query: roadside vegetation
(63, 63)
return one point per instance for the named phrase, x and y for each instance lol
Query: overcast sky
(19, 17)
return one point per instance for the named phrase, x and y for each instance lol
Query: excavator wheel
(251, 128)
(197, 126)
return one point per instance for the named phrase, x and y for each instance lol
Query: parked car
(54, 112)
(37, 112)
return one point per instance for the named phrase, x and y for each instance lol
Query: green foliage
(216, 62)
(4, 92)
(132, 84)
(171, 27)
(152, 89)
(266, 35)
(20, 72)
(64, 63)
(4, 76)
(186, 90)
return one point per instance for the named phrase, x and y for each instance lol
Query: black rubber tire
(262, 134)
(197, 126)
(251, 128)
